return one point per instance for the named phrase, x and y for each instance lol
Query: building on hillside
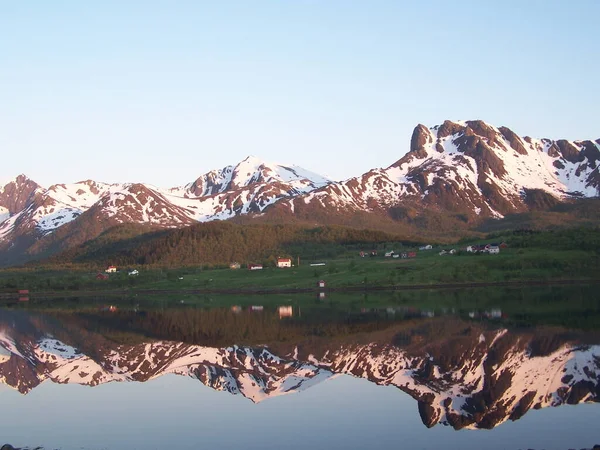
(493, 249)
(255, 266)
(111, 269)
(389, 254)
(234, 265)
(321, 283)
(412, 254)
(133, 272)
(426, 247)
(284, 262)
(101, 276)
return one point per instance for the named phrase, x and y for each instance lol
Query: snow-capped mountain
(476, 378)
(26, 209)
(469, 167)
(466, 170)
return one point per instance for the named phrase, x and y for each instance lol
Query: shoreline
(313, 290)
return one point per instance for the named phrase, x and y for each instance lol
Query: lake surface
(496, 369)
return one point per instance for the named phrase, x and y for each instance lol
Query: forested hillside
(220, 243)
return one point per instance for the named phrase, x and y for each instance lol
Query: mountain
(454, 177)
(471, 169)
(31, 215)
(473, 377)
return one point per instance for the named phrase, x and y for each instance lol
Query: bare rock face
(448, 128)
(17, 194)
(420, 137)
(514, 140)
(569, 151)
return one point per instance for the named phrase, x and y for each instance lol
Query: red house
(101, 276)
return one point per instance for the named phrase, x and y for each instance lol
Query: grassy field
(512, 264)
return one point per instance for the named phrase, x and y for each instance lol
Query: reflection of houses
(236, 309)
(284, 262)
(285, 311)
(257, 308)
(108, 308)
(234, 265)
(255, 266)
(321, 296)
(111, 269)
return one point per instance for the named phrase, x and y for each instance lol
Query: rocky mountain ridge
(469, 170)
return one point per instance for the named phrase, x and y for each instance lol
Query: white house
(426, 247)
(255, 266)
(493, 249)
(284, 262)
(390, 253)
(133, 272)
(111, 269)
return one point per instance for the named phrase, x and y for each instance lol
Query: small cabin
(321, 283)
(111, 269)
(234, 265)
(133, 272)
(284, 262)
(255, 266)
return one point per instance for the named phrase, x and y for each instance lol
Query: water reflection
(465, 368)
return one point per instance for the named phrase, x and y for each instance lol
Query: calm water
(467, 370)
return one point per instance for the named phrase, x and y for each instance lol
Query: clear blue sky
(162, 91)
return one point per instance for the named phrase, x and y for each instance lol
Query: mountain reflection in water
(463, 373)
